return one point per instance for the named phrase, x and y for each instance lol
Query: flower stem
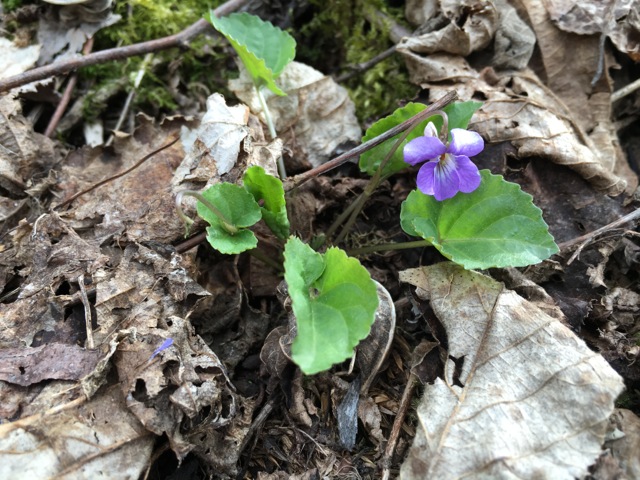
(224, 222)
(272, 129)
(374, 183)
(385, 247)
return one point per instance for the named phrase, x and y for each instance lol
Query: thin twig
(298, 180)
(624, 91)
(584, 240)
(66, 96)
(127, 104)
(120, 53)
(405, 402)
(87, 313)
(361, 67)
(117, 175)
(191, 242)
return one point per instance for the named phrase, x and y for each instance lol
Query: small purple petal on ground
(166, 344)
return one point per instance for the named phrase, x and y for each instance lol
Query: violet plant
(474, 218)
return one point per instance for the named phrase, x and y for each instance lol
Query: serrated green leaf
(458, 114)
(334, 301)
(263, 48)
(496, 225)
(268, 188)
(239, 209)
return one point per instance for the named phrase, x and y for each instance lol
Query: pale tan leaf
(460, 29)
(530, 399)
(99, 438)
(316, 108)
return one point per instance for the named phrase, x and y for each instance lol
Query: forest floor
(130, 351)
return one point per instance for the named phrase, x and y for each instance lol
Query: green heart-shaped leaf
(239, 209)
(263, 48)
(268, 188)
(334, 301)
(496, 225)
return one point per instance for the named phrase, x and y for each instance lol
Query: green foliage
(334, 301)
(458, 114)
(238, 210)
(11, 5)
(263, 48)
(269, 189)
(496, 225)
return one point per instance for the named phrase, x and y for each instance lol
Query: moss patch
(334, 35)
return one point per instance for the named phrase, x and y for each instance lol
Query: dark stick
(345, 157)
(120, 53)
(66, 96)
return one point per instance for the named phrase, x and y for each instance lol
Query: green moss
(195, 67)
(339, 34)
(11, 5)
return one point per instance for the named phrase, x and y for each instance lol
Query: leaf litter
(117, 345)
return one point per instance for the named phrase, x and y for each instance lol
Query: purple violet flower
(448, 169)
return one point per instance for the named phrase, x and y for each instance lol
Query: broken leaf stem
(272, 129)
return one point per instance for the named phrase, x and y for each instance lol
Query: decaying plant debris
(96, 276)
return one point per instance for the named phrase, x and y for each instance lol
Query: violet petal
(468, 174)
(430, 130)
(445, 182)
(464, 142)
(425, 177)
(422, 149)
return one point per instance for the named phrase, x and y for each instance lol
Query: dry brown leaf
(582, 136)
(16, 59)
(532, 119)
(625, 447)
(463, 27)
(25, 366)
(316, 109)
(529, 399)
(138, 206)
(618, 19)
(371, 352)
(22, 151)
(99, 438)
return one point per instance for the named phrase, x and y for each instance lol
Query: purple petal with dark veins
(445, 182)
(423, 149)
(425, 177)
(464, 142)
(468, 174)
